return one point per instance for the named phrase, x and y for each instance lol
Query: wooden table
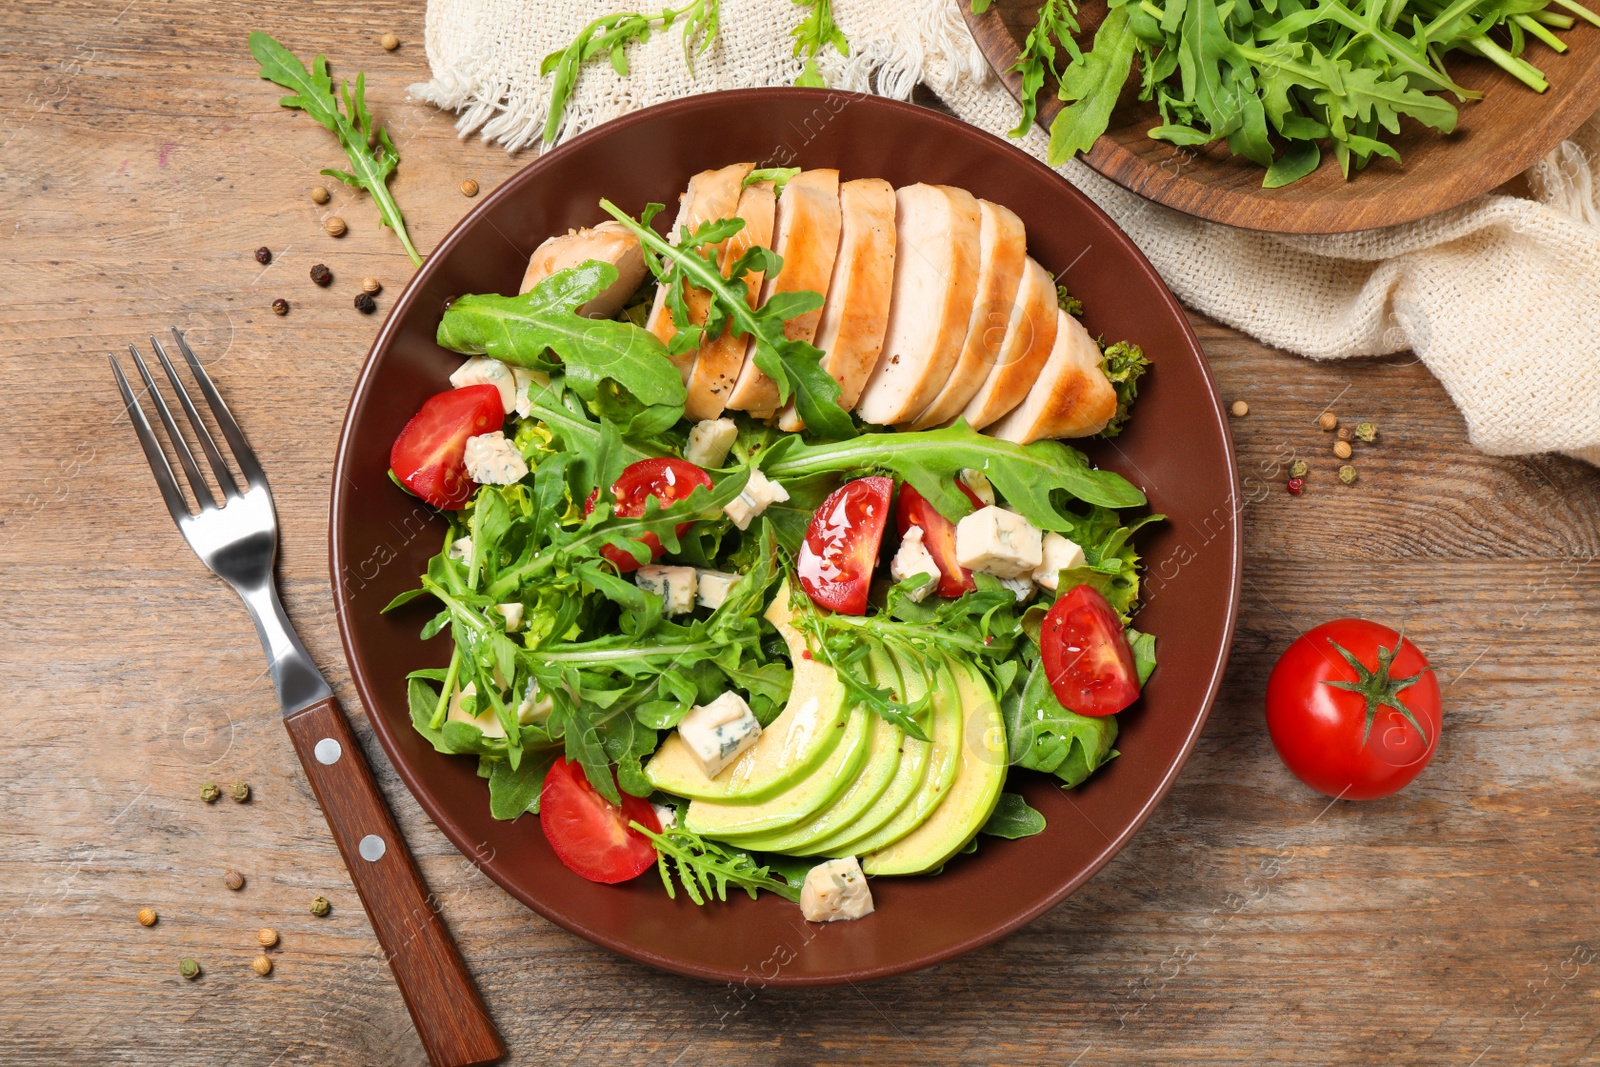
(143, 162)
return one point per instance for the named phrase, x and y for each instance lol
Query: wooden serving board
(1496, 139)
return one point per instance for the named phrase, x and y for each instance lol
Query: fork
(238, 541)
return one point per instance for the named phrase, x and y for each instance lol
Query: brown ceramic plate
(1177, 449)
(1495, 140)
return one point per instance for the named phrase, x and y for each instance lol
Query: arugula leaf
(1144, 653)
(514, 791)
(1124, 363)
(1013, 818)
(1057, 22)
(1041, 735)
(778, 176)
(705, 869)
(1090, 87)
(814, 33)
(370, 166)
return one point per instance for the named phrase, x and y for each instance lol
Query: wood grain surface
(1495, 140)
(142, 162)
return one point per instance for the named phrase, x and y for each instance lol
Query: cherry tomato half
(590, 834)
(841, 547)
(668, 480)
(1086, 656)
(1354, 732)
(938, 537)
(427, 456)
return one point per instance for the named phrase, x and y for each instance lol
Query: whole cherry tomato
(668, 480)
(841, 546)
(1085, 653)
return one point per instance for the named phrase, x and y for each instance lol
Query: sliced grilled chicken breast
(855, 315)
(1029, 337)
(712, 194)
(1072, 396)
(807, 236)
(1003, 249)
(935, 280)
(717, 366)
(610, 242)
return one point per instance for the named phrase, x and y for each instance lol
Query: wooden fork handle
(449, 1015)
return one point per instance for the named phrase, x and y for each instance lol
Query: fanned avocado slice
(794, 745)
(972, 796)
(883, 760)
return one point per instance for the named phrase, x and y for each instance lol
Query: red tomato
(1086, 656)
(426, 457)
(590, 834)
(835, 563)
(1357, 732)
(938, 537)
(668, 480)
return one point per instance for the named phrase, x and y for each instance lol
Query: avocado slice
(883, 760)
(788, 750)
(972, 796)
(943, 757)
(732, 820)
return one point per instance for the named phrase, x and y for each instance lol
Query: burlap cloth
(1499, 297)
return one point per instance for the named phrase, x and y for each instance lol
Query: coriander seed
(469, 188)
(1240, 409)
(371, 285)
(1328, 420)
(147, 916)
(1344, 434)
(233, 880)
(208, 790)
(1347, 474)
(280, 306)
(1367, 432)
(322, 275)
(320, 907)
(262, 965)
(189, 968)
(1341, 449)
(263, 255)
(389, 42)
(334, 225)
(365, 304)
(1298, 469)
(266, 937)
(319, 194)
(239, 791)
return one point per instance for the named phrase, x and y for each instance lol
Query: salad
(766, 565)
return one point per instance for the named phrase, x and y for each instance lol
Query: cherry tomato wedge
(1354, 732)
(668, 480)
(841, 546)
(1086, 656)
(938, 537)
(590, 834)
(427, 456)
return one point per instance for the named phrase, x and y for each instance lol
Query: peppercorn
(267, 936)
(233, 880)
(389, 41)
(189, 968)
(208, 790)
(371, 285)
(334, 225)
(1298, 469)
(1344, 434)
(263, 255)
(262, 965)
(147, 916)
(1347, 474)
(239, 791)
(319, 194)
(1328, 420)
(320, 907)
(1367, 432)
(1240, 409)
(280, 306)
(1341, 449)
(1295, 485)
(322, 275)
(365, 304)
(469, 188)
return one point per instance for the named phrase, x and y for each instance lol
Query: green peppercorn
(1347, 474)
(1298, 469)
(320, 907)
(209, 792)
(189, 968)
(1367, 432)
(239, 791)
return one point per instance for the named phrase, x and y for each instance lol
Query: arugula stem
(1579, 10)
(1520, 69)
(443, 707)
(1555, 43)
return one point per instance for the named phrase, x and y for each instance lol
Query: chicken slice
(935, 282)
(712, 194)
(808, 240)
(1029, 338)
(1072, 396)
(610, 242)
(856, 313)
(717, 366)
(1003, 249)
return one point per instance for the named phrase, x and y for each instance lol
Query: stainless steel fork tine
(219, 466)
(152, 449)
(197, 481)
(243, 454)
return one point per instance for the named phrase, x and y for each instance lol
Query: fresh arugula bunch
(370, 165)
